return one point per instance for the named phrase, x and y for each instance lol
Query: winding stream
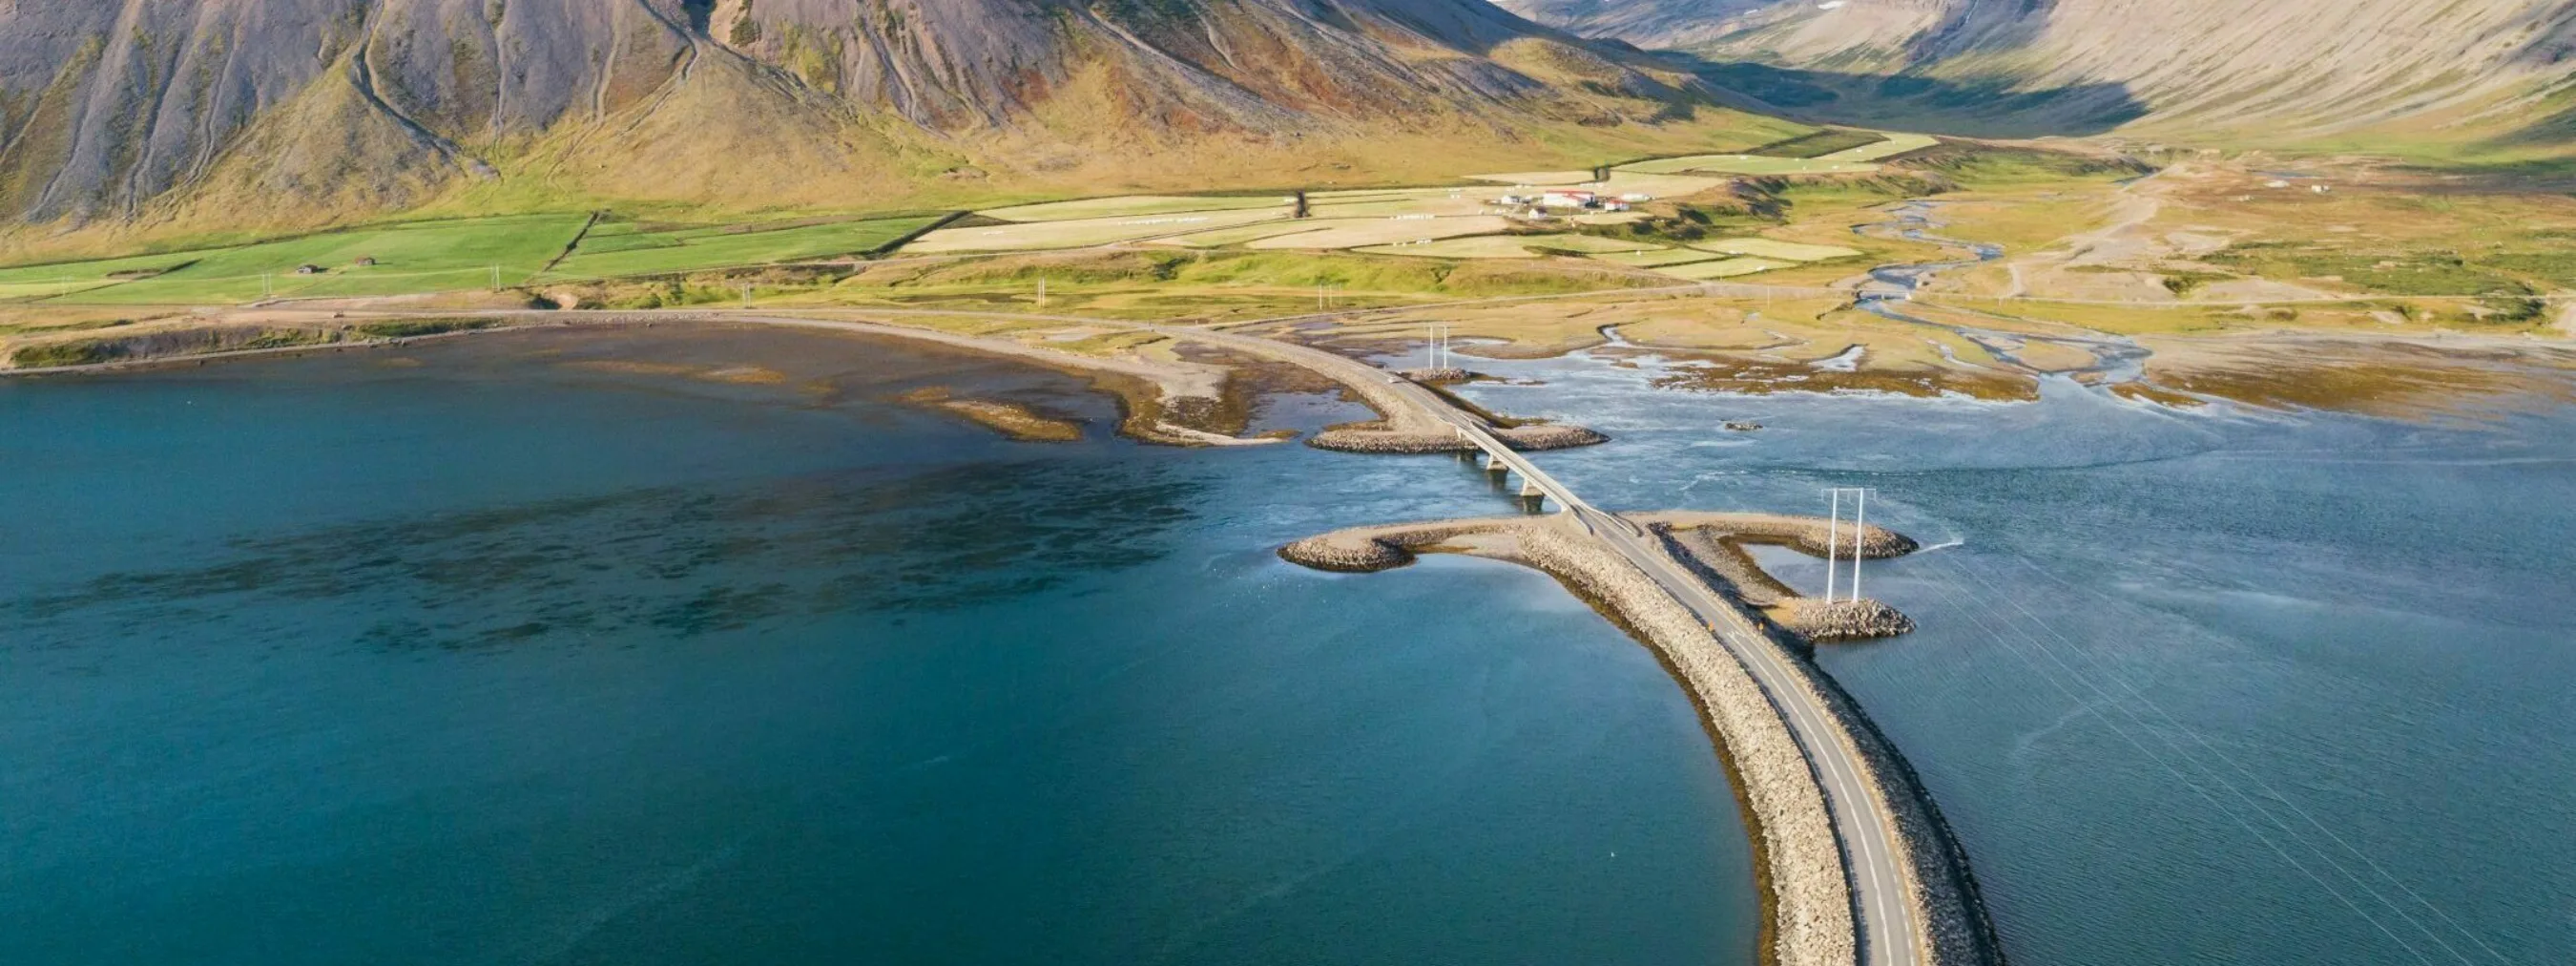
(2116, 359)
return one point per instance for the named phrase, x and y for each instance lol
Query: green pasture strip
(409, 258)
(96, 270)
(1818, 143)
(35, 291)
(693, 249)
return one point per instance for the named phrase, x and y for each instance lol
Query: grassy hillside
(194, 123)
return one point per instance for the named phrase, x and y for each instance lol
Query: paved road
(1887, 917)
(1870, 853)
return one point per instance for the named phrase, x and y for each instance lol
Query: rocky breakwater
(1828, 621)
(1800, 863)
(1713, 545)
(1956, 928)
(1387, 438)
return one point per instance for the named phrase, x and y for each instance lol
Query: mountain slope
(2267, 69)
(286, 111)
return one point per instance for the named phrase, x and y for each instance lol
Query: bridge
(1886, 912)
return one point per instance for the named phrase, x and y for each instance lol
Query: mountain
(239, 112)
(2496, 70)
(1668, 23)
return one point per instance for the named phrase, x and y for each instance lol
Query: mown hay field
(1134, 205)
(1083, 232)
(1507, 246)
(1728, 268)
(1363, 233)
(1771, 248)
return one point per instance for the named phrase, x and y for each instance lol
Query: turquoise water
(506, 657)
(2218, 687)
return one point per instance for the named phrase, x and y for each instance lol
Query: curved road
(1872, 857)
(1889, 933)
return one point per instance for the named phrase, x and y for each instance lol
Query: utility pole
(1860, 535)
(746, 295)
(1833, 540)
(264, 286)
(1041, 291)
(496, 278)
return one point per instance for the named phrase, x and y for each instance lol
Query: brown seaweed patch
(1010, 419)
(2397, 380)
(2150, 392)
(1754, 377)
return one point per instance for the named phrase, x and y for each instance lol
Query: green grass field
(437, 256)
(1819, 143)
(623, 250)
(415, 257)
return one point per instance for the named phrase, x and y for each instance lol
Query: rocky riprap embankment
(1451, 374)
(1799, 857)
(1713, 545)
(1801, 864)
(1362, 550)
(1537, 437)
(1825, 621)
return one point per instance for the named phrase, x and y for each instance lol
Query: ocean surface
(2207, 687)
(693, 646)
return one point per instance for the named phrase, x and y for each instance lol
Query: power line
(2231, 761)
(1957, 598)
(2212, 774)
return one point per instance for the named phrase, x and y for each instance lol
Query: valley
(718, 481)
(1763, 265)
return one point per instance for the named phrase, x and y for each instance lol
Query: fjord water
(544, 650)
(2210, 687)
(678, 647)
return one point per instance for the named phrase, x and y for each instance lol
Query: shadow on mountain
(1931, 105)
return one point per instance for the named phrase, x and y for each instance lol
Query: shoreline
(2422, 376)
(1812, 904)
